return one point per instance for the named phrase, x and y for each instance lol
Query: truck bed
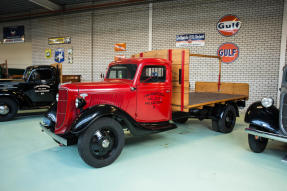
(197, 99)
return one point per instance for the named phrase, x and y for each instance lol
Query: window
(122, 71)
(42, 75)
(152, 74)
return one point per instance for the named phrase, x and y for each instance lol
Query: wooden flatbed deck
(197, 99)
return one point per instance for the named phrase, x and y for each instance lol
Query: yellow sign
(59, 40)
(48, 53)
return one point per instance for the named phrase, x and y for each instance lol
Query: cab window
(41, 75)
(152, 74)
(122, 71)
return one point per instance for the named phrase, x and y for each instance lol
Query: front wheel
(257, 144)
(8, 109)
(102, 143)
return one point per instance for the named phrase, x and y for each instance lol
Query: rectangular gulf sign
(189, 40)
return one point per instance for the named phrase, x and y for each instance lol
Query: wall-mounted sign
(48, 53)
(70, 56)
(228, 52)
(59, 40)
(13, 34)
(59, 55)
(228, 25)
(120, 47)
(189, 40)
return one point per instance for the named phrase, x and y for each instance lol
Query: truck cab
(38, 88)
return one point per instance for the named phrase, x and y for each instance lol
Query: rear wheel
(181, 120)
(227, 122)
(215, 125)
(8, 109)
(257, 144)
(102, 143)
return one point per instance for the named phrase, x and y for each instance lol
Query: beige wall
(18, 55)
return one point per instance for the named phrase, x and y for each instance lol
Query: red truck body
(138, 95)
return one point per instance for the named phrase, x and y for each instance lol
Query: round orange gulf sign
(228, 25)
(228, 52)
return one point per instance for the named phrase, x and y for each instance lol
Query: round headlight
(57, 97)
(267, 102)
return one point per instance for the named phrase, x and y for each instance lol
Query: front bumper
(58, 138)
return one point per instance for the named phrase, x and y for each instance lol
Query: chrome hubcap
(4, 109)
(105, 143)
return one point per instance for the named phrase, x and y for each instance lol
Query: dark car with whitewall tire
(37, 89)
(266, 121)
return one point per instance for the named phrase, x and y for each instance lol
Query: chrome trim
(54, 136)
(273, 136)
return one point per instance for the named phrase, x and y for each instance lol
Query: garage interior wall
(94, 34)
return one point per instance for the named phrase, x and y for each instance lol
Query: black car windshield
(122, 71)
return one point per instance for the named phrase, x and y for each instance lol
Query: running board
(273, 136)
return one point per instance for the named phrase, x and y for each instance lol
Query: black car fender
(261, 118)
(90, 115)
(13, 95)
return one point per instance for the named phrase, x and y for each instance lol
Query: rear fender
(13, 95)
(261, 118)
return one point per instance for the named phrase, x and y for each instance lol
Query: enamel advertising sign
(228, 25)
(120, 47)
(59, 55)
(189, 40)
(228, 52)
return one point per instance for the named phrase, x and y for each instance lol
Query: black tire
(227, 122)
(257, 144)
(7, 105)
(102, 143)
(215, 125)
(181, 120)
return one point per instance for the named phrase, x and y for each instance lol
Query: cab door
(154, 94)
(40, 87)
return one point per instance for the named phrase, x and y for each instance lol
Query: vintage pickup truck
(37, 89)
(142, 95)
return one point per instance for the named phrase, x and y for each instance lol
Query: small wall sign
(228, 52)
(59, 55)
(59, 40)
(228, 25)
(189, 40)
(48, 53)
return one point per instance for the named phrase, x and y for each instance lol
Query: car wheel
(257, 144)
(181, 120)
(102, 143)
(8, 109)
(227, 122)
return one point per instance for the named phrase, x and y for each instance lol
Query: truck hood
(10, 83)
(104, 85)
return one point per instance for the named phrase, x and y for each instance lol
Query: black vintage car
(37, 89)
(266, 121)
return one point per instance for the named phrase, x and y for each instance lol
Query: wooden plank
(175, 72)
(176, 84)
(228, 88)
(205, 56)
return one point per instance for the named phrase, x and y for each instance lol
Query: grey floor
(191, 157)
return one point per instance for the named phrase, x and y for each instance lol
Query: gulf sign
(228, 25)
(228, 52)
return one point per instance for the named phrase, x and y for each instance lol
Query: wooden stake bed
(197, 99)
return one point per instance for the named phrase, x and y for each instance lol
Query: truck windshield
(122, 71)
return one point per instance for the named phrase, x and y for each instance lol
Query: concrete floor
(191, 157)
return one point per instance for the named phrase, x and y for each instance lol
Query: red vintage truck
(143, 94)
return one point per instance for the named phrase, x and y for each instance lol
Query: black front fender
(261, 118)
